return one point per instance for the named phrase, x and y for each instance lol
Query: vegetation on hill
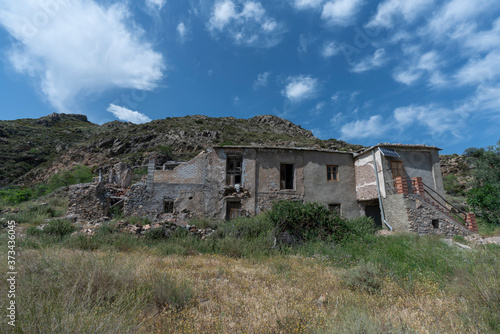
(29, 143)
(33, 150)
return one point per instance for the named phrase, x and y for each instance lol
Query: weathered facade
(230, 181)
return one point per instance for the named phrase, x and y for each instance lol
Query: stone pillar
(471, 223)
(418, 186)
(151, 172)
(401, 186)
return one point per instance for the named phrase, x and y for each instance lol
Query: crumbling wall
(411, 213)
(366, 184)
(89, 201)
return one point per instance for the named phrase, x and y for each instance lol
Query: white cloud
(155, 4)
(407, 77)
(248, 26)
(457, 13)
(304, 42)
(79, 48)
(436, 119)
(340, 12)
(330, 49)
(477, 71)
(389, 9)
(307, 4)
(373, 127)
(371, 62)
(127, 115)
(417, 66)
(300, 88)
(183, 31)
(261, 81)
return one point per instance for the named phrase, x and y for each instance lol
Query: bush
(169, 294)
(360, 228)
(306, 221)
(155, 234)
(59, 228)
(364, 277)
(485, 202)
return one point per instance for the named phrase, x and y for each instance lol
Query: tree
(484, 197)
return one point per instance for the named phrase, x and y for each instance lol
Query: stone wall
(411, 213)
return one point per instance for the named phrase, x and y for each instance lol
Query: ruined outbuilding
(400, 186)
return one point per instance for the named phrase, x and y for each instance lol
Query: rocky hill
(32, 150)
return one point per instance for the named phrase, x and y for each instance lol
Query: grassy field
(235, 282)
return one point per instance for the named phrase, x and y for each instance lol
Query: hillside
(32, 150)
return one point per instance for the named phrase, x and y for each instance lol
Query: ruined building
(400, 186)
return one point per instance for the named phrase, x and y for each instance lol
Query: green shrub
(361, 228)
(155, 234)
(364, 277)
(306, 221)
(59, 228)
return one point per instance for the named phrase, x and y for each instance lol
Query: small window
(332, 173)
(233, 170)
(168, 206)
(435, 223)
(286, 176)
(334, 208)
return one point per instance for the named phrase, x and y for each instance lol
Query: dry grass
(64, 291)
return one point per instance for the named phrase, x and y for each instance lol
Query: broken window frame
(335, 208)
(168, 205)
(233, 209)
(287, 176)
(234, 169)
(332, 173)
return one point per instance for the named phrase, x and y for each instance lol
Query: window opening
(332, 173)
(435, 223)
(233, 170)
(334, 208)
(168, 206)
(286, 176)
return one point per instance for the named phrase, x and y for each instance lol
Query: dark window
(334, 208)
(233, 210)
(332, 173)
(168, 206)
(286, 176)
(435, 223)
(233, 170)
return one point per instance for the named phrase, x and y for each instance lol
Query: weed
(364, 277)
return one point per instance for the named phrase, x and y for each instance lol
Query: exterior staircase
(417, 188)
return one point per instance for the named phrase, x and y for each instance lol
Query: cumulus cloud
(261, 81)
(330, 49)
(78, 48)
(371, 62)
(374, 127)
(341, 12)
(128, 115)
(388, 10)
(247, 25)
(300, 88)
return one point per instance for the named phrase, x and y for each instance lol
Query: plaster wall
(319, 189)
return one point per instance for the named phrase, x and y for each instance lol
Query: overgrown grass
(240, 279)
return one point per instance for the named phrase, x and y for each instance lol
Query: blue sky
(406, 71)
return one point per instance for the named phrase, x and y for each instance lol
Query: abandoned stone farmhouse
(400, 186)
